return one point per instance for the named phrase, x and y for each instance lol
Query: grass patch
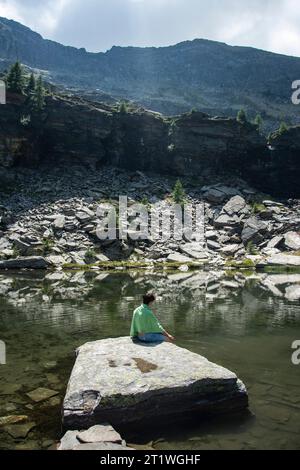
(258, 207)
(136, 265)
(244, 264)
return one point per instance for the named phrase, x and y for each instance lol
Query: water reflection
(246, 323)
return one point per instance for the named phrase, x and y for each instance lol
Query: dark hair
(148, 298)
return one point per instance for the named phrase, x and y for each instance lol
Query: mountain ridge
(211, 76)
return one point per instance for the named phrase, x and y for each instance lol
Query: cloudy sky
(97, 25)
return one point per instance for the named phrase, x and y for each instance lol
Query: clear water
(245, 329)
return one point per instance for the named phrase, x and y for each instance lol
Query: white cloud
(99, 24)
(42, 16)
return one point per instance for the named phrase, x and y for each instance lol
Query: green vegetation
(241, 116)
(90, 254)
(39, 102)
(123, 107)
(258, 121)
(145, 201)
(244, 264)
(129, 264)
(281, 269)
(178, 193)
(30, 89)
(16, 252)
(251, 248)
(47, 245)
(15, 79)
(283, 128)
(34, 90)
(258, 207)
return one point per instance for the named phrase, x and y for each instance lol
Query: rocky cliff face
(71, 130)
(211, 76)
(74, 131)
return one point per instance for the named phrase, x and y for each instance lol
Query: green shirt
(144, 321)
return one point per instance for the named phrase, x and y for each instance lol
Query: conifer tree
(258, 121)
(30, 90)
(241, 116)
(178, 193)
(39, 95)
(15, 79)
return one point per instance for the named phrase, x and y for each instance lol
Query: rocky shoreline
(51, 221)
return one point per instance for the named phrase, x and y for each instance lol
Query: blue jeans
(152, 338)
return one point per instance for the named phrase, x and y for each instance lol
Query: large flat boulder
(122, 382)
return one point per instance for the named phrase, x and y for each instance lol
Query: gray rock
(194, 250)
(225, 220)
(85, 216)
(274, 242)
(283, 260)
(233, 212)
(178, 258)
(122, 382)
(254, 230)
(212, 245)
(214, 195)
(59, 222)
(292, 240)
(56, 260)
(18, 431)
(236, 206)
(211, 235)
(102, 446)
(218, 194)
(41, 394)
(69, 441)
(100, 433)
(292, 293)
(230, 249)
(268, 203)
(269, 285)
(33, 262)
(281, 279)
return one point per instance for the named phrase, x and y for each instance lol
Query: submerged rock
(100, 433)
(99, 437)
(41, 394)
(13, 419)
(18, 431)
(122, 382)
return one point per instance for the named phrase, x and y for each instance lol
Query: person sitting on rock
(145, 327)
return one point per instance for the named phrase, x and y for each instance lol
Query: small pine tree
(15, 78)
(241, 116)
(258, 121)
(283, 128)
(123, 108)
(39, 95)
(178, 193)
(30, 90)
